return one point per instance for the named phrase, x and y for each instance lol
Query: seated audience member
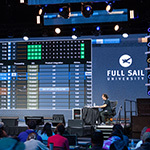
(8, 143)
(146, 142)
(33, 144)
(31, 128)
(97, 141)
(46, 132)
(141, 142)
(58, 140)
(2, 131)
(117, 138)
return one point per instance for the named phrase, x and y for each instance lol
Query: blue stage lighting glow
(73, 29)
(97, 28)
(148, 92)
(60, 9)
(148, 76)
(148, 29)
(88, 8)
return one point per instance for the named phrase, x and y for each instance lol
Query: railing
(118, 115)
(131, 111)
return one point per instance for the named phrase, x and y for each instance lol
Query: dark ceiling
(18, 19)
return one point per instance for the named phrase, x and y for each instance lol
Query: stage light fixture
(148, 91)
(148, 29)
(25, 38)
(76, 31)
(148, 75)
(57, 30)
(86, 10)
(96, 30)
(116, 27)
(65, 11)
(109, 7)
(74, 37)
(125, 35)
(40, 11)
(148, 59)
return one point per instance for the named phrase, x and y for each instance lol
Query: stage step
(106, 129)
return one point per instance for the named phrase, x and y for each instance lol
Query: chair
(108, 117)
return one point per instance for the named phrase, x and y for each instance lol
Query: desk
(91, 115)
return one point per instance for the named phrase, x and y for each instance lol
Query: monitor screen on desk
(39, 119)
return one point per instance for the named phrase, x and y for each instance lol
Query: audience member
(31, 128)
(141, 142)
(33, 144)
(97, 141)
(46, 132)
(2, 131)
(58, 140)
(117, 139)
(146, 142)
(8, 143)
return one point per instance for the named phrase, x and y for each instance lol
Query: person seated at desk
(106, 108)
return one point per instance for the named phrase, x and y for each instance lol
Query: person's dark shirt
(108, 107)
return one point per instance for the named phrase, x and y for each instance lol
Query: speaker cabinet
(58, 118)
(10, 121)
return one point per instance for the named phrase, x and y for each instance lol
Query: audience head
(146, 137)
(31, 124)
(2, 131)
(47, 129)
(104, 96)
(118, 131)
(60, 129)
(97, 138)
(32, 136)
(143, 131)
(148, 130)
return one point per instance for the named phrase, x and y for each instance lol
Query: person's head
(146, 137)
(32, 124)
(97, 138)
(104, 96)
(47, 129)
(2, 131)
(32, 136)
(60, 129)
(117, 130)
(143, 131)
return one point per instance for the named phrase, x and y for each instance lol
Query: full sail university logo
(124, 74)
(125, 60)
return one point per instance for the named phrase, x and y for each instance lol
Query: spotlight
(76, 31)
(116, 28)
(148, 59)
(96, 30)
(65, 11)
(148, 29)
(86, 10)
(57, 30)
(26, 38)
(148, 44)
(148, 91)
(40, 11)
(125, 35)
(74, 37)
(109, 7)
(148, 75)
